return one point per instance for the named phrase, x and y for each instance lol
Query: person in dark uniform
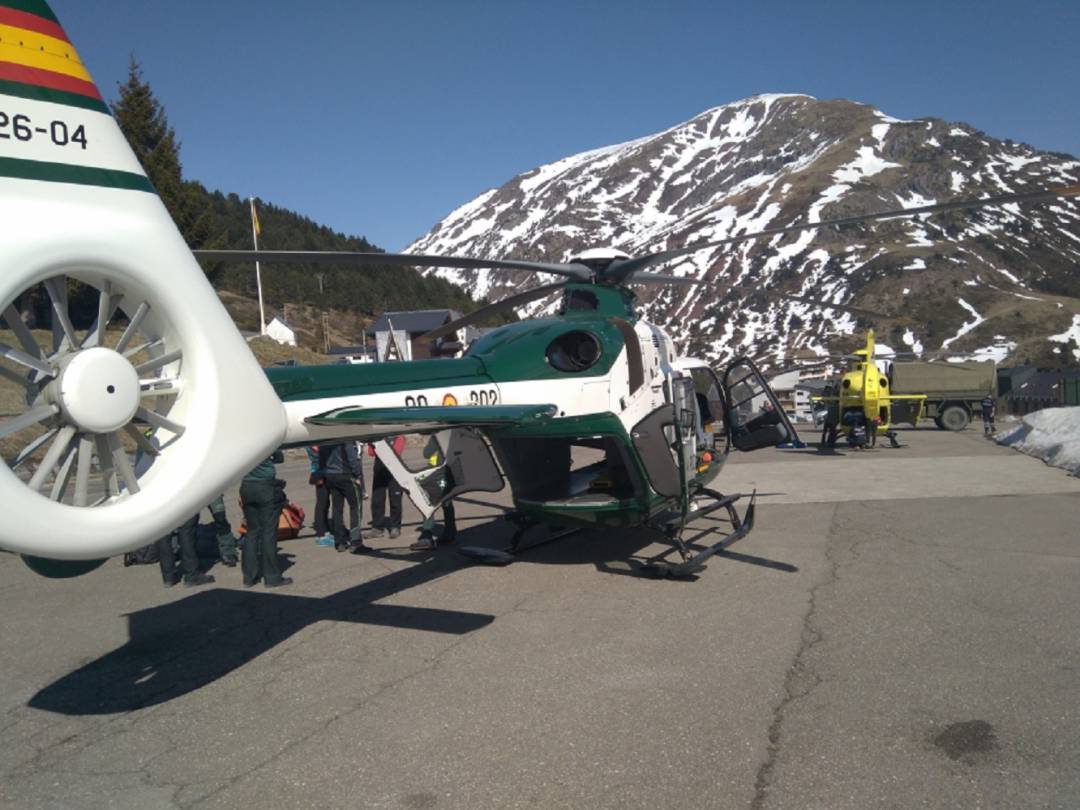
(226, 540)
(830, 426)
(189, 558)
(262, 505)
(385, 488)
(340, 465)
(989, 408)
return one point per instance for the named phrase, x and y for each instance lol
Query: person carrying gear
(434, 455)
(989, 408)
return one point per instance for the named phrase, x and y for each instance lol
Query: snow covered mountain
(1001, 283)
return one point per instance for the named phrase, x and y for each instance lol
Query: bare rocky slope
(1001, 283)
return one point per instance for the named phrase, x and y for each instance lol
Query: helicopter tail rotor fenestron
(118, 343)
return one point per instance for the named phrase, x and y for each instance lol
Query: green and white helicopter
(589, 414)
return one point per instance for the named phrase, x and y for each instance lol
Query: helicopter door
(691, 432)
(653, 438)
(755, 416)
(467, 467)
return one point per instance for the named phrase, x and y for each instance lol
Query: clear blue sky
(378, 119)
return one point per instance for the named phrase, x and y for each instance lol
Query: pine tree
(143, 121)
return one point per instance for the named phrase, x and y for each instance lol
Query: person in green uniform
(435, 457)
(226, 540)
(189, 558)
(262, 505)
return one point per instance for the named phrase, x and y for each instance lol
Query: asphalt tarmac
(899, 630)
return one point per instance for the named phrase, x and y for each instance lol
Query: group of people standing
(262, 498)
(338, 477)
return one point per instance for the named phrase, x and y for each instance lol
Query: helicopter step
(704, 503)
(506, 554)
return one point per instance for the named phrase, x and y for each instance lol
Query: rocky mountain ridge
(1000, 282)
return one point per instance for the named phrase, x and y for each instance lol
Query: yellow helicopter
(860, 402)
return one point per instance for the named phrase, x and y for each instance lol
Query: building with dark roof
(397, 335)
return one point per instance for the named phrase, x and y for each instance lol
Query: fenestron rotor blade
(121, 462)
(157, 420)
(620, 269)
(107, 304)
(105, 464)
(52, 456)
(144, 347)
(158, 362)
(18, 379)
(82, 470)
(133, 326)
(25, 420)
(58, 296)
(23, 359)
(492, 309)
(29, 450)
(140, 439)
(16, 325)
(395, 259)
(63, 475)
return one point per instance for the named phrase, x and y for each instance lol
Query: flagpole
(258, 272)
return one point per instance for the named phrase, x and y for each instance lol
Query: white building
(280, 331)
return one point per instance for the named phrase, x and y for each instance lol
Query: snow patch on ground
(1052, 435)
(1071, 334)
(867, 164)
(968, 325)
(912, 341)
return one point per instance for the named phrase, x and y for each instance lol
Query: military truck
(954, 391)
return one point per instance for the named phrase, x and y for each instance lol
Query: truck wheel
(937, 421)
(955, 417)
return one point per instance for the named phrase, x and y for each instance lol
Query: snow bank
(1052, 434)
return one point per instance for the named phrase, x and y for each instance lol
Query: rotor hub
(98, 390)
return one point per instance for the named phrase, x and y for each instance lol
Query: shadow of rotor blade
(762, 561)
(177, 648)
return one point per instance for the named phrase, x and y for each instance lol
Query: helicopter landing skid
(507, 554)
(672, 530)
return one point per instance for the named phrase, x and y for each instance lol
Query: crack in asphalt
(800, 679)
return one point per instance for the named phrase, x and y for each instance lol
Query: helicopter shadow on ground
(179, 647)
(622, 552)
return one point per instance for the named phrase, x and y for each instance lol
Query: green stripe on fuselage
(34, 93)
(79, 175)
(318, 382)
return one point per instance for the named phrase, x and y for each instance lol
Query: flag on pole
(255, 219)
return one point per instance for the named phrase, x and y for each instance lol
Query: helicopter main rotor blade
(619, 270)
(492, 309)
(575, 271)
(641, 277)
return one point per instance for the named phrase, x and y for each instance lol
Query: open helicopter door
(689, 428)
(467, 467)
(755, 416)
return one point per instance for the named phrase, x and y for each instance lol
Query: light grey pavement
(898, 631)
